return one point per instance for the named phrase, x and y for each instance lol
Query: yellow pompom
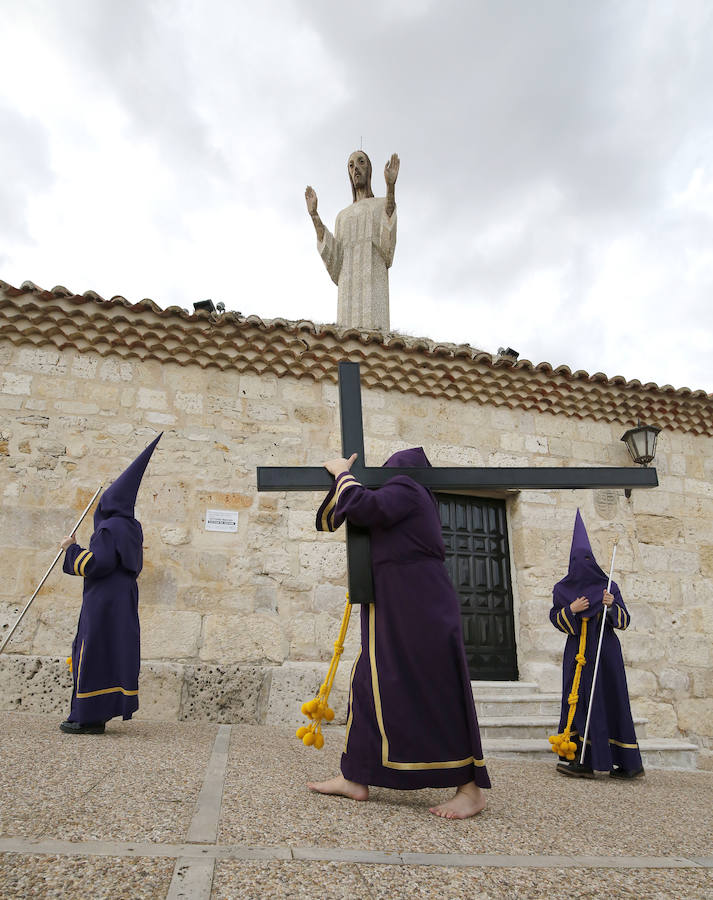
(301, 732)
(569, 756)
(69, 663)
(319, 741)
(554, 749)
(305, 709)
(312, 705)
(553, 738)
(308, 739)
(329, 714)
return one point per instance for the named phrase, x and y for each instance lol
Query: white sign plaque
(221, 520)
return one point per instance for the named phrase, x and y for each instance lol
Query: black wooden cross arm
(525, 478)
(456, 478)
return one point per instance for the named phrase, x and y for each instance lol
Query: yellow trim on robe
(343, 485)
(385, 761)
(111, 690)
(325, 515)
(611, 741)
(566, 621)
(79, 665)
(78, 560)
(351, 700)
(83, 565)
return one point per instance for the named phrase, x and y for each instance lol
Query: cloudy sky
(556, 184)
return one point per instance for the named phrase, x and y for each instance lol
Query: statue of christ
(361, 250)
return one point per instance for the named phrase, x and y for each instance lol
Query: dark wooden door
(478, 561)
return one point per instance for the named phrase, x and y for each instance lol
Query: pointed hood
(585, 577)
(119, 498)
(415, 458)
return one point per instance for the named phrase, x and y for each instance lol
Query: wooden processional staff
(596, 661)
(47, 573)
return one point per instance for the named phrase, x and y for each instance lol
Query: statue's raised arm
(391, 173)
(360, 252)
(311, 200)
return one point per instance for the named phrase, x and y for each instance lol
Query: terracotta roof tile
(249, 344)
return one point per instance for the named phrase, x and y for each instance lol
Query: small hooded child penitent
(579, 601)
(106, 649)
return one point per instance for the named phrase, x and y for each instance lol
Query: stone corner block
(228, 694)
(160, 688)
(36, 684)
(292, 684)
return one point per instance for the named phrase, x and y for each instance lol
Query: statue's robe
(611, 737)
(106, 650)
(411, 719)
(358, 256)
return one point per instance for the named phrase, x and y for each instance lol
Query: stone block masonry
(236, 625)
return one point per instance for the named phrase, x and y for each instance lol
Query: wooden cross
(445, 478)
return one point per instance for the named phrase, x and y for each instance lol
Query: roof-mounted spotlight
(206, 305)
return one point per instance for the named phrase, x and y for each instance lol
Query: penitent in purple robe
(106, 649)
(611, 739)
(411, 720)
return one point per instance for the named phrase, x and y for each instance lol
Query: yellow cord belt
(561, 743)
(317, 709)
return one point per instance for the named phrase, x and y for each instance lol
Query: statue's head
(359, 169)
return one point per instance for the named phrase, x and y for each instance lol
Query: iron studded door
(478, 561)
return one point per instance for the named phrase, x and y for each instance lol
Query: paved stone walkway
(157, 810)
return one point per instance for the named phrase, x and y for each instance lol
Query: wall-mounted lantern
(641, 444)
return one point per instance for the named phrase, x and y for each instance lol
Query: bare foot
(468, 801)
(340, 787)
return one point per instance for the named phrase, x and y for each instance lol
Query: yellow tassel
(561, 743)
(317, 709)
(69, 663)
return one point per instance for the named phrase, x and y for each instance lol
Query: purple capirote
(612, 738)
(106, 649)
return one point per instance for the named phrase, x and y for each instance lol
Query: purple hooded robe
(611, 740)
(106, 649)
(411, 720)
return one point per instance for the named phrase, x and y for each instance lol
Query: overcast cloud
(556, 184)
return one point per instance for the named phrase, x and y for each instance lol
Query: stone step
(503, 690)
(531, 727)
(530, 704)
(657, 753)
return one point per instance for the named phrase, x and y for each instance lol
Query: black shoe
(619, 772)
(88, 727)
(574, 770)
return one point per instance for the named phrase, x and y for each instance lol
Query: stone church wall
(238, 627)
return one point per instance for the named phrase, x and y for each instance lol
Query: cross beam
(446, 478)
